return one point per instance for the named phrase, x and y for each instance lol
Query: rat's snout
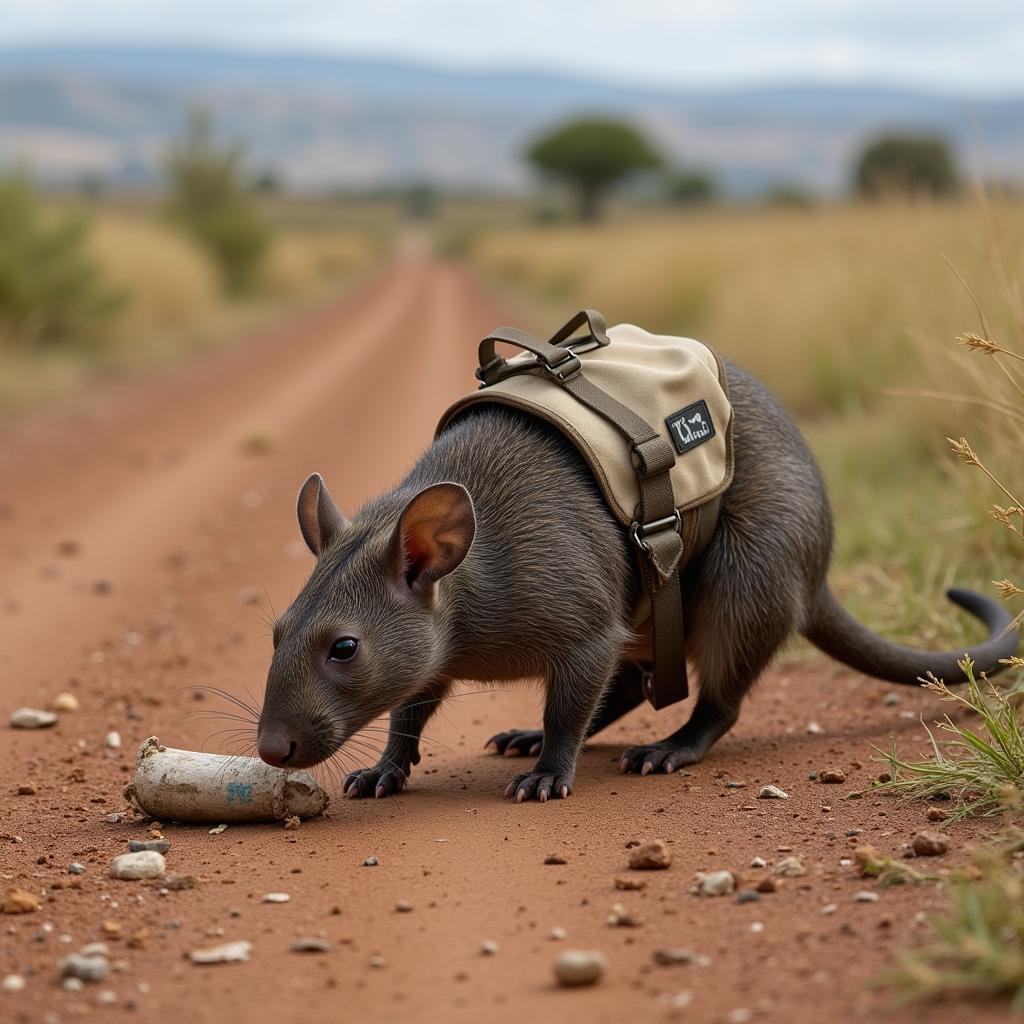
(278, 746)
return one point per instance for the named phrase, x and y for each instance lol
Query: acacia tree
(906, 165)
(592, 156)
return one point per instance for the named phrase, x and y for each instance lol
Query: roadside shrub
(52, 292)
(209, 199)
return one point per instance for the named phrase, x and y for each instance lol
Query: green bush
(211, 202)
(52, 293)
(906, 165)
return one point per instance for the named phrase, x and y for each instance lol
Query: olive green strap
(658, 529)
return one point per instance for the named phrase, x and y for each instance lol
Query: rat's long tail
(832, 629)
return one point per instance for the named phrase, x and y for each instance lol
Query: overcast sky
(955, 45)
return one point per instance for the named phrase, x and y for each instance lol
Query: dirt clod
(652, 856)
(929, 844)
(832, 776)
(17, 901)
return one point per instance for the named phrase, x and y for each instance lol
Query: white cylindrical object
(186, 785)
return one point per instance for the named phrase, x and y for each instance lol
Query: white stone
(759, 862)
(866, 896)
(32, 718)
(557, 934)
(135, 866)
(772, 793)
(814, 729)
(13, 983)
(65, 702)
(579, 967)
(228, 953)
(113, 740)
(276, 897)
(716, 883)
(80, 967)
(790, 867)
(489, 947)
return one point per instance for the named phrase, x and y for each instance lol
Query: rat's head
(367, 630)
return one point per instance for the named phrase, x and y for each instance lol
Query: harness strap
(658, 530)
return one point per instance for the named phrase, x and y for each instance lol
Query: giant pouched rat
(497, 559)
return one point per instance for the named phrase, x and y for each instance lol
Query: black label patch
(690, 426)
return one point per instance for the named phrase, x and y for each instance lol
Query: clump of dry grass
(977, 947)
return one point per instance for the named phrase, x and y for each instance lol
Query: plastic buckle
(564, 368)
(638, 531)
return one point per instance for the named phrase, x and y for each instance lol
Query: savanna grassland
(126, 289)
(851, 315)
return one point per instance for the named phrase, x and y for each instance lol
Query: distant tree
(907, 165)
(593, 156)
(210, 201)
(691, 188)
(53, 294)
(789, 194)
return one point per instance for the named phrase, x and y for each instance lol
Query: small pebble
(32, 718)
(218, 829)
(891, 699)
(74, 868)
(832, 776)
(715, 883)
(929, 844)
(652, 856)
(577, 967)
(292, 822)
(759, 862)
(27, 789)
(790, 867)
(107, 997)
(377, 961)
(830, 908)
(814, 729)
(65, 702)
(772, 793)
(402, 907)
(669, 957)
(13, 983)
(113, 740)
(228, 953)
(310, 946)
(135, 866)
(555, 858)
(937, 814)
(630, 884)
(72, 984)
(370, 862)
(558, 934)
(161, 846)
(747, 896)
(768, 884)
(84, 968)
(619, 917)
(866, 896)
(489, 947)
(276, 897)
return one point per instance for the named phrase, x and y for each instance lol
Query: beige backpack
(651, 415)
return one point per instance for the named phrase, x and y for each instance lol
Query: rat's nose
(276, 746)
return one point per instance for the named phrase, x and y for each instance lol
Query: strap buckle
(638, 531)
(564, 368)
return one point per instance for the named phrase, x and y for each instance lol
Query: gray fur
(545, 590)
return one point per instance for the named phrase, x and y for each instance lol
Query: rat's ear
(433, 535)
(319, 518)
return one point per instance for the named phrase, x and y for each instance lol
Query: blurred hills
(343, 122)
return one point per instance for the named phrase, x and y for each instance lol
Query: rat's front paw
(540, 786)
(383, 779)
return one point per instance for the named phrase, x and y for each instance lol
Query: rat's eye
(344, 649)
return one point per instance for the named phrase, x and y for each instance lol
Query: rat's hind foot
(384, 779)
(688, 745)
(659, 757)
(517, 742)
(539, 786)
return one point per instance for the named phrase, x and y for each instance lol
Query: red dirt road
(147, 487)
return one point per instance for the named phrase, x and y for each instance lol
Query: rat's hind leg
(624, 693)
(733, 633)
